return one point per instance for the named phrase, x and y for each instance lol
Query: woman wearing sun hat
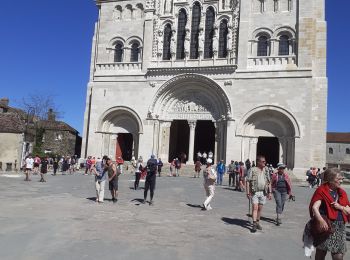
(281, 187)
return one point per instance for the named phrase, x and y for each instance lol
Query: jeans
(100, 190)
(219, 178)
(231, 178)
(280, 198)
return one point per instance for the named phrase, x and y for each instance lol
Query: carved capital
(192, 124)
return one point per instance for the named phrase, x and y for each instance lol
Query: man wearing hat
(281, 186)
(210, 176)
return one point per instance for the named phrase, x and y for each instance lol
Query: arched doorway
(120, 128)
(194, 100)
(269, 131)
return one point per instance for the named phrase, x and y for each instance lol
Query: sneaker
(151, 203)
(258, 226)
(253, 230)
(209, 207)
(143, 202)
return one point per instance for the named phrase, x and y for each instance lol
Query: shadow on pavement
(238, 222)
(269, 220)
(91, 198)
(138, 201)
(194, 205)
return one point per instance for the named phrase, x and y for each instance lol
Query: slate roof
(333, 137)
(11, 123)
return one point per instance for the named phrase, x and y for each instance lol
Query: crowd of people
(329, 207)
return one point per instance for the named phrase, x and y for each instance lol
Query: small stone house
(338, 150)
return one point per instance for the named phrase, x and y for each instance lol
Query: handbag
(319, 235)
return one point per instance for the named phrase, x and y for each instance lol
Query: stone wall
(11, 149)
(59, 142)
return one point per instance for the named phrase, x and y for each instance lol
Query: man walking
(220, 168)
(113, 179)
(258, 186)
(150, 182)
(231, 175)
(43, 169)
(100, 180)
(209, 175)
(29, 163)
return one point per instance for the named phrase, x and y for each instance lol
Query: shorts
(259, 198)
(113, 184)
(36, 165)
(43, 171)
(28, 169)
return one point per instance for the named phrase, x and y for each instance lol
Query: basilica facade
(235, 77)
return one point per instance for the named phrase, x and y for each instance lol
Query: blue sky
(46, 47)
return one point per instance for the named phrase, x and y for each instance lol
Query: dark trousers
(137, 179)
(231, 177)
(150, 184)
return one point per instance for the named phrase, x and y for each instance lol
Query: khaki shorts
(259, 198)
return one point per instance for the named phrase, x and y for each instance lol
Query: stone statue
(160, 43)
(173, 45)
(187, 41)
(201, 40)
(167, 6)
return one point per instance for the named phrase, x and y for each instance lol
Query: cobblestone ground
(59, 219)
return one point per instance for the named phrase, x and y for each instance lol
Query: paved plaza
(60, 219)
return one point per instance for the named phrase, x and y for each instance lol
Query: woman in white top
(138, 170)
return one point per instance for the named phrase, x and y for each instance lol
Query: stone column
(192, 125)
(155, 148)
(253, 142)
(217, 139)
(164, 140)
(283, 150)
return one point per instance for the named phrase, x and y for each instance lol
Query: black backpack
(152, 165)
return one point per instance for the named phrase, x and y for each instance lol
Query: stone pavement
(59, 220)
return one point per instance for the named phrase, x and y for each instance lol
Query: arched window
(223, 39)
(196, 18)
(330, 150)
(262, 6)
(283, 45)
(347, 150)
(209, 32)
(135, 51)
(118, 52)
(262, 46)
(181, 34)
(290, 5)
(166, 42)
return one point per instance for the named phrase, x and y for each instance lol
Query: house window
(209, 33)
(166, 42)
(330, 150)
(135, 51)
(283, 45)
(118, 52)
(58, 137)
(262, 46)
(196, 18)
(223, 39)
(347, 150)
(181, 34)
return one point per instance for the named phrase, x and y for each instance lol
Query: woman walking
(210, 176)
(330, 201)
(281, 187)
(138, 171)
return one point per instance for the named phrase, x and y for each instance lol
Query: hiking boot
(258, 226)
(253, 230)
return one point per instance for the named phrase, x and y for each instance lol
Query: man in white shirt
(29, 167)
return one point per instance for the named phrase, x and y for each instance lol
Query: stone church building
(235, 77)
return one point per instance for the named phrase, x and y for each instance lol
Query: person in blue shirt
(221, 169)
